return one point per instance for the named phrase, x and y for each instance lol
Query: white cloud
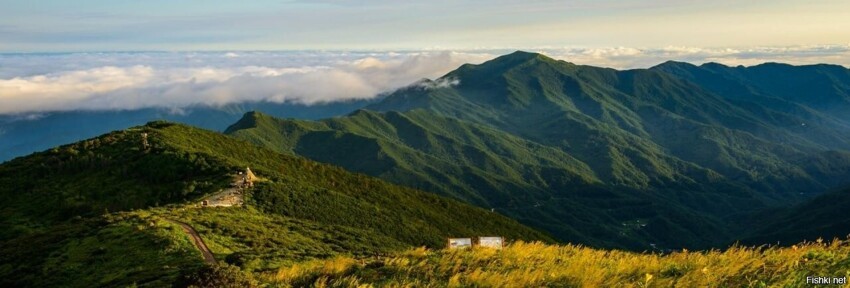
(439, 83)
(184, 79)
(629, 57)
(34, 83)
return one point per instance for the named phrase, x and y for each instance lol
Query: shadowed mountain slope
(525, 130)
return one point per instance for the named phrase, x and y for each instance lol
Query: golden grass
(540, 265)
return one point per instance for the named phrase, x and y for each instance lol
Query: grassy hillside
(60, 210)
(538, 265)
(279, 251)
(108, 173)
(145, 248)
(112, 251)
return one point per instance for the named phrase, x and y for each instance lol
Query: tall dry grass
(540, 265)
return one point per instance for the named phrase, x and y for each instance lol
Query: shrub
(217, 276)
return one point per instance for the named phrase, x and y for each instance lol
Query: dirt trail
(225, 198)
(208, 256)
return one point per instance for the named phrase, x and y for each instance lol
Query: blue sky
(122, 25)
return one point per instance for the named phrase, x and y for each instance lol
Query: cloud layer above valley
(114, 81)
(32, 83)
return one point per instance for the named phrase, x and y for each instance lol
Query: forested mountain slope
(593, 155)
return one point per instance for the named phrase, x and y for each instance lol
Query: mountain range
(523, 146)
(664, 156)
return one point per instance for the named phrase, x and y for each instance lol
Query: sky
(129, 54)
(133, 25)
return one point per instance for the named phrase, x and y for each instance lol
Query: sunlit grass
(541, 265)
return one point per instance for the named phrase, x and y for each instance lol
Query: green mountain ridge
(645, 136)
(20, 136)
(535, 184)
(641, 112)
(60, 210)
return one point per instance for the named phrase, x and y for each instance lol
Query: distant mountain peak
(249, 119)
(361, 112)
(510, 60)
(522, 57)
(503, 64)
(713, 65)
(522, 54)
(673, 64)
(254, 114)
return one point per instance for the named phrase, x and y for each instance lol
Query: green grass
(263, 241)
(301, 210)
(107, 173)
(286, 252)
(112, 251)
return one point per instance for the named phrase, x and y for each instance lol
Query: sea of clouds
(34, 83)
(111, 81)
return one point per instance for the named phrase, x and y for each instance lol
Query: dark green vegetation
(825, 217)
(113, 251)
(521, 179)
(62, 225)
(594, 155)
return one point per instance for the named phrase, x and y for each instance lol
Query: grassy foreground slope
(62, 225)
(113, 251)
(145, 248)
(539, 265)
